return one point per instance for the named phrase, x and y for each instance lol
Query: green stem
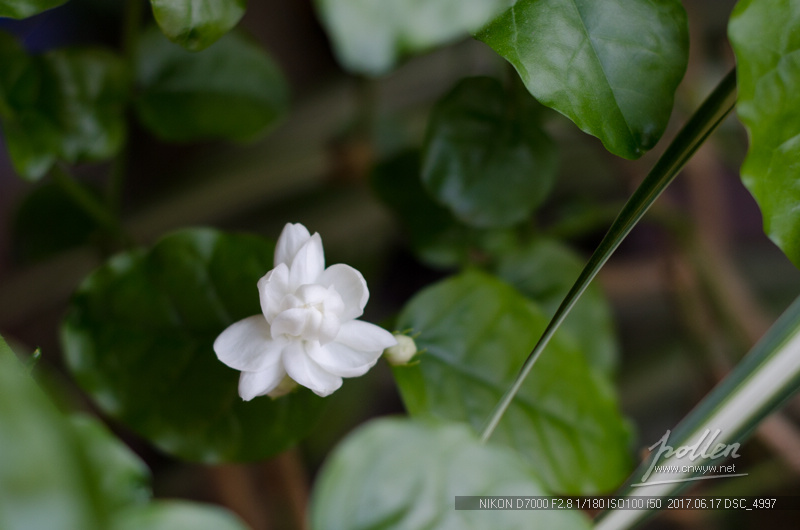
(90, 204)
(704, 121)
(131, 28)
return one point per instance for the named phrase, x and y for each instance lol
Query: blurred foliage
(139, 339)
(474, 170)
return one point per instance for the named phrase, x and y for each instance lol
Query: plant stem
(91, 205)
(702, 123)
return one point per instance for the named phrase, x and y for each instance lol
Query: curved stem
(704, 121)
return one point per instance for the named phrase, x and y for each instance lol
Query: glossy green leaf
(702, 123)
(176, 515)
(434, 235)
(232, 90)
(196, 24)
(27, 109)
(370, 37)
(766, 39)
(26, 8)
(476, 332)
(65, 105)
(485, 156)
(139, 335)
(45, 479)
(611, 67)
(92, 94)
(397, 473)
(544, 270)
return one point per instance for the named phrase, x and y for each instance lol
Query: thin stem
(131, 28)
(90, 204)
(704, 121)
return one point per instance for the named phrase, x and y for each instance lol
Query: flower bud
(402, 352)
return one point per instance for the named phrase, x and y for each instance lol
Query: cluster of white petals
(308, 330)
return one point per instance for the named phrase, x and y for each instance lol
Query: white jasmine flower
(308, 329)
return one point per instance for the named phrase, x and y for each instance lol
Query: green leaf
(65, 105)
(611, 67)
(434, 235)
(44, 476)
(766, 39)
(58, 473)
(397, 473)
(485, 156)
(370, 37)
(196, 24)
(759, 385)
(92, 94)
(176, 515)
(476, 332)
(122, 476)
(544, 271)
(26, 8)
(702, 123)
(139, 335)
(232, 90)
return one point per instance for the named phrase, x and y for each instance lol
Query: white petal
(272, 288)
(252, 384)
(350, 285)
(344, 361)
(248, 345)
(306, 372)
(364, 336)
(328, 328)
(291, 239)
(308, 264)
(293, 322)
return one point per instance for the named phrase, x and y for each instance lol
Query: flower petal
(363, 336)
(342, 360)
(350, 285)
(252, 384)
(308, 264)
(291, 239)
(272, 288)
(248, 345)
(306, 372)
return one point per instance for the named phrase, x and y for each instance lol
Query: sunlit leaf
(196, 24)
(371, 36)
(476, 332)
(766, 39)
(139, 338)
(485, 156)
(612, 67)
(232, 90)
(397, 473)
(26, 8)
